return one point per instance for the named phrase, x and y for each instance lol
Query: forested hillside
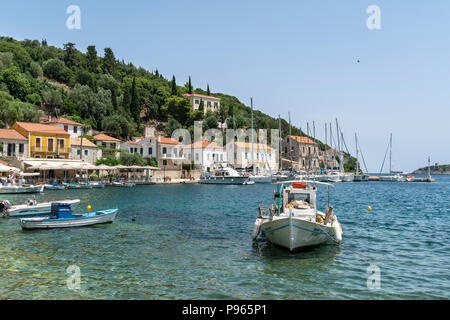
(102, 92)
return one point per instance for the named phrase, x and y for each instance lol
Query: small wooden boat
(54, 187)
(30, 208)
(62, 217)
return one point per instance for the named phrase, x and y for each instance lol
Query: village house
(302, 151)
(44, 141)
(204, 154)
(84, 150)
(240, 155)
(74, 128)
(13, 144)
(210, 103)
(107, 142)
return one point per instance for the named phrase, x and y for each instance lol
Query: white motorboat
(222, 175)
(61, 217)
(260, 179)
(293, 221)
(393, 178)
(347, 177)
(361, 177)
(13, 188)
(334, 177)
(30, 208)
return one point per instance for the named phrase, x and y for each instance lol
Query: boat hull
(106, 216)
(223, 180)
(17, 189)
(261, 179)
(296, 234)
(39, 209)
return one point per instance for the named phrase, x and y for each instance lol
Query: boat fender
(337, 231)
(256, 228)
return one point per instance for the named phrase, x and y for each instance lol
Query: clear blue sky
(297, 56)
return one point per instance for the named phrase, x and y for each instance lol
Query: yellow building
(45, 141)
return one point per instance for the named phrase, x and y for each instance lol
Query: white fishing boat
(14, 188)
(62, 217)
(222, 175)
(293, 221)
(334, 176)
(347, 177)
(261, 178)
(30, 208)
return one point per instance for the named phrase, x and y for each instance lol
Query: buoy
(89, 207)
(369, 208)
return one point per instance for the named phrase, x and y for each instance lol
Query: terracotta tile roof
(256, 146)
(65, 121)
(165, 140)
(203, 145)
(305, 140)
(200, 95)
(86, 142)
(104, 137)
(41, 128)
(11, 134)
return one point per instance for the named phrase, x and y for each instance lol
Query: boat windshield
(300, 196)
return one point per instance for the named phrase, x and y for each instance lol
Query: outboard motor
(5, 205)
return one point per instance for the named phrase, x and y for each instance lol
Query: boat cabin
(298, 196)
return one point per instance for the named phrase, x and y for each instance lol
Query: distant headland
(436, 169)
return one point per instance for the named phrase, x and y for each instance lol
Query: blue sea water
(194, 242)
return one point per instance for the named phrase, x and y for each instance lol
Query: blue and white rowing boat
(62, 217)
(30, 208)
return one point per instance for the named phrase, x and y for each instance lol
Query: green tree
(52, 100)
(109, 62)
(56, 69)
(172, 125)
(208, 93)
(36, 70)
(173, 85)
(92, 59)
(177, 108)
(18, 86)
(134, 104)
(190, 86)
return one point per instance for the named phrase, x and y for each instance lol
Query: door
(11, 149)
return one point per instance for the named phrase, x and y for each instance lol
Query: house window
(50, 146)
(131, 150)
(150, 150)
(38, 143)
(196, 101)
(142, 151)
(246, 156)
(235, 156)
(21, 148)
(196, 157)
(113, 145)
(61, 145)
(66, 128)
(75, 129)
(164, 150)
(78, 151)
(216, 105)
(135, 150)
(209, 104)
(85, 152)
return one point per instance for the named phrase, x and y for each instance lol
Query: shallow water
(194, 242)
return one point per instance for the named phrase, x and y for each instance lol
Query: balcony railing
(58, 151)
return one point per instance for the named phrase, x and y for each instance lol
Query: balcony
(45, 150)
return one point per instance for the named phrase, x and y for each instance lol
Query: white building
(84, 150)
(74, 128)
(210, 103)
(107, 142)
(264, 158)
(204, 154)
(166, 151)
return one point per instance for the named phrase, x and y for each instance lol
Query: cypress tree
(207, 91)
(134, 105)
(91, 59)
(190, 85)
(174, 86)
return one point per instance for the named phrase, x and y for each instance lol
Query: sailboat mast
(357, 162)
(280, 139)
(325, 158)
(290, 139)
(253, 138)
(390, 156)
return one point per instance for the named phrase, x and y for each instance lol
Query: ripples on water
(194, 242)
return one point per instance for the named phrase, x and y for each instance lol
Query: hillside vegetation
(106, 94)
